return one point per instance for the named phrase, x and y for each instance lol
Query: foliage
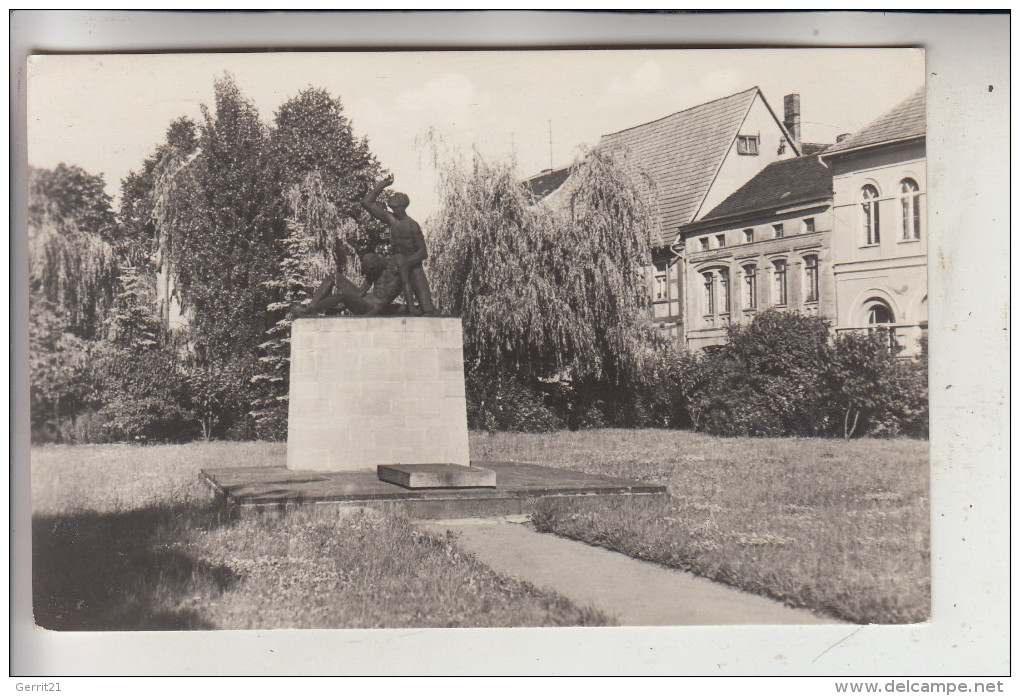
(137, 370)
(782, 374)
(71, 267)
(141, 192)
(224, 250)
(69, 193)
(497, 402)
(322, 172)
(542, 292)
(552, 299)
(72, 276)
(59, 379)
(311, 136)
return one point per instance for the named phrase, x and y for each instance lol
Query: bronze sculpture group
(386, 277)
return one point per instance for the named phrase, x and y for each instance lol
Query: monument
(381, 390)
(378, 412)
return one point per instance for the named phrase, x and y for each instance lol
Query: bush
(496, 402)
(783, 375)
(767, 380)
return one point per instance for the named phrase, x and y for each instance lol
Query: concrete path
(635, 592)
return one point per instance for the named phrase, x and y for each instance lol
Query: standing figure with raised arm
(407, 243)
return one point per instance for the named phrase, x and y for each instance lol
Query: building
(766, 245)
(879, 248)
(695, 159)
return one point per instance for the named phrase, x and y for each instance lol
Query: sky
(106, 113)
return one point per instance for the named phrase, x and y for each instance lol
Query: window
(869, 208)
(882, 320)
(748, 235)
(910, 205)
(709, 292)
(750, 292)
(779, 283)
(747, 144)
(724, 290)
(879, 313)
(660, 283)
(811, 278)
(704, 243)
(778, 228)
(720, 241)
(809, 225)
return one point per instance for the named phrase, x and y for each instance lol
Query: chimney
(841, 137)
(791, 117)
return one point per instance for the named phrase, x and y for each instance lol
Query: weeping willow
(73, 269)
(544, 289)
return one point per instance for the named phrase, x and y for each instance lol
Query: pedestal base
(436, 476)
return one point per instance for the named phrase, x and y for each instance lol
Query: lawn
(837, 526)
(126, 538)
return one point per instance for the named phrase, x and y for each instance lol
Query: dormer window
(747, 144)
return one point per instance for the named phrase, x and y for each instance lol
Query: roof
(682, 153)
(813, 148)
(777, 185)
(548, 181)
(906, 120)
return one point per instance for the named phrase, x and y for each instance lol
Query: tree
(546, 295)
(141, 194)
(314, 219)
(311, 134)
(72, 264)
(69, 193)
(58, 367)
(217, 209)
(321, 172)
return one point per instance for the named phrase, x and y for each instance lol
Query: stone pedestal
(366, 391)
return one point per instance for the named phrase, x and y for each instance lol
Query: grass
(841, 527)
(126, 538)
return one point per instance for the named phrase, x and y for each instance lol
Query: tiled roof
(780, 183)
(906, 120)
(548, 181)
(681, 153)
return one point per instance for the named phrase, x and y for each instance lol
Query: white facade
(880, 241)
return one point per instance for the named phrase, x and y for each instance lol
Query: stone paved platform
(518, 486)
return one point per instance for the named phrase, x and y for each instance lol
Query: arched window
(910, 206)
(709, 280)
(811, 278)
(717, 291)
(779, 282)
(869, 208)
(750, 293)
(879, 314)
(724, 290)
(881, 319)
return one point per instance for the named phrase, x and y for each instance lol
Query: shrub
(497, 402)
(767, 380)
(783, 375)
